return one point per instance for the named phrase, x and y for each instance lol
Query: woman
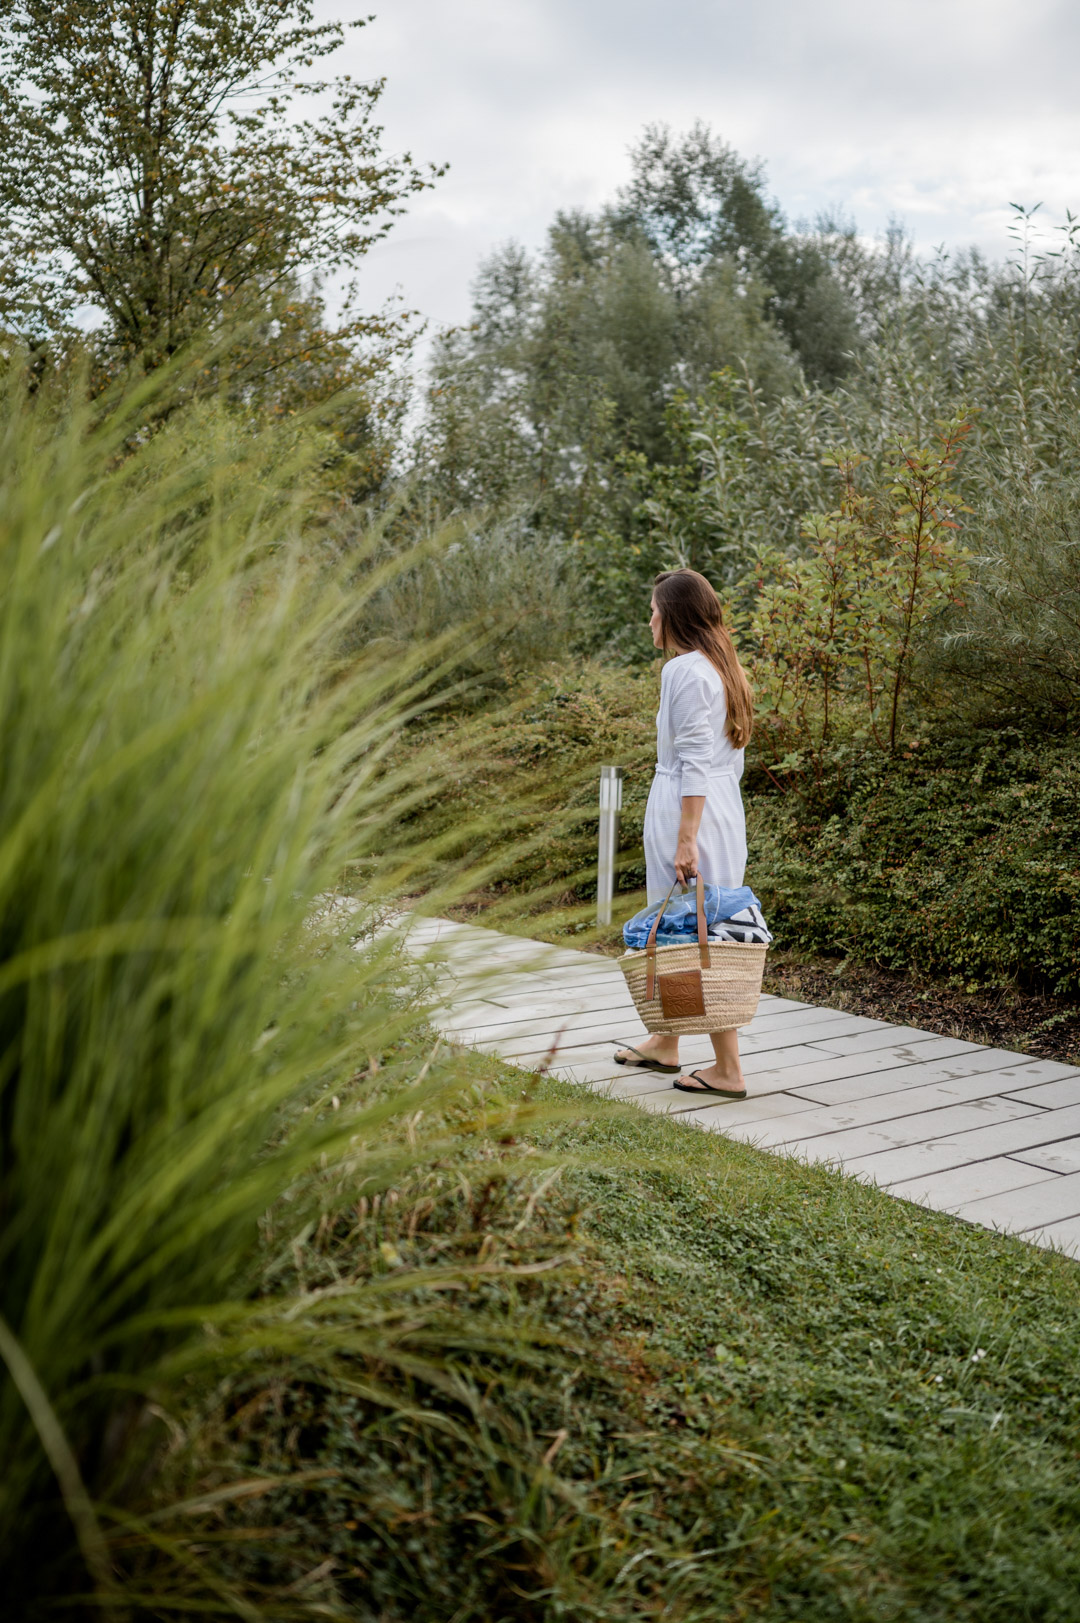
(694, 819)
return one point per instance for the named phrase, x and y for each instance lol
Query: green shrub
(517, 783)
(835, 633)
(507, 594)
(1016, 650)
(959, 860)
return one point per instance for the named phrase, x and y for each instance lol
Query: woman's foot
(661, 1048)
(718, 1079)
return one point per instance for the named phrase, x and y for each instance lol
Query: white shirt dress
(694, 756)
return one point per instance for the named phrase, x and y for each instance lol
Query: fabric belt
(711, 772)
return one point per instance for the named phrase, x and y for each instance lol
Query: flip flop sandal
(707, 1087)
(646, 1063)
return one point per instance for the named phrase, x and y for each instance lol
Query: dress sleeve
(692, 731)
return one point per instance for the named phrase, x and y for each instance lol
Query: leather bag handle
(702, 936)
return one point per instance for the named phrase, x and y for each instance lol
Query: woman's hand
(686, 858)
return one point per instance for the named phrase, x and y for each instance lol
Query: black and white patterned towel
(747, 926)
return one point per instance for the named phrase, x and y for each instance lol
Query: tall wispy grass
(194, 751)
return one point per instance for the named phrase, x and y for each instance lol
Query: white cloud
(939, 111)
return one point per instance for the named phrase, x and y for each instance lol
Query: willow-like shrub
(186, 1025)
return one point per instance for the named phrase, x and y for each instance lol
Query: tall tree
(695, 198)
(698, 202)
(152, 165)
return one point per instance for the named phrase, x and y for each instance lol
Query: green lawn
(910, 1385)
(762, 1391)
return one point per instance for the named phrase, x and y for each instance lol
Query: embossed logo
(681, 994)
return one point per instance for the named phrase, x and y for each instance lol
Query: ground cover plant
(717, 1434)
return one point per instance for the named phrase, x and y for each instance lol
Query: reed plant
(191, 1016)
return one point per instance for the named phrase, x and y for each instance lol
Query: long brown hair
(691, 617)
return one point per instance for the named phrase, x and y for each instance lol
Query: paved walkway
(989, 1135)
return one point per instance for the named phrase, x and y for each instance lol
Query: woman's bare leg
(726, 1072)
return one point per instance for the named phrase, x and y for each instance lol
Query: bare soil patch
(1027, 1022)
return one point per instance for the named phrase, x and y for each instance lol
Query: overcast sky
(939, 112)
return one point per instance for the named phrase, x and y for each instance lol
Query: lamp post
(611, 782)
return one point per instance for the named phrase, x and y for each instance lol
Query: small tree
(150, 168)
(837, 629)
(803, 621)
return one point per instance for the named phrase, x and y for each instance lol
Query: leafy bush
(1017, 647)
(838, 630)
(517, 784)
(508, 596)
(959, 860)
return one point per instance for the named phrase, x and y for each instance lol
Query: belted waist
(710, 772)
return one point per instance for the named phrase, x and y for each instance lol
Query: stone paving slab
(888, 1111)
(884, 1036)
(1033, 1206)
(1063, 1156)
(912, 1071)
(704, 1111)
(991, 1136)
(534, 1021)
(948, 1191)
(1053, 1095)
(838, 1144)
(1061, 1236)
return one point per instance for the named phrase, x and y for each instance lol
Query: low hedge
(961, 861)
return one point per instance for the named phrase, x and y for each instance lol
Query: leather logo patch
(682, 994)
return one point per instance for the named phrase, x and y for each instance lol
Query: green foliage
(958, 860)
(848, 617)
(695, 198)
(508, 596)
(187, 1019)
(518, 786)
(739, 474)
(573, 359)
(347, 379)
(151, 166)
(700, 205)
(1016, 649)
(637, 396)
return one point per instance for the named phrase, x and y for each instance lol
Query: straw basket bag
(714, 986)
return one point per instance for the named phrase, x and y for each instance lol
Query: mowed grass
(748, 1389)
(908, 1384)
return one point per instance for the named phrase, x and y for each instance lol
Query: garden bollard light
(611, 781)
